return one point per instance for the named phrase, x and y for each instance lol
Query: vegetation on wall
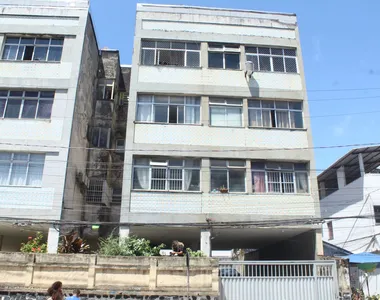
(131, 246)
(195, 253)
(34, 245)
(72, 243)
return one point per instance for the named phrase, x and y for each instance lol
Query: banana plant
(72, 243)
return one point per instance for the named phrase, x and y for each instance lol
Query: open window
(106, 90)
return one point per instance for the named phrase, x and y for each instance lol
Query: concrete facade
(152, 76)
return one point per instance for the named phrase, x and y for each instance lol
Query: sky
(340, 46)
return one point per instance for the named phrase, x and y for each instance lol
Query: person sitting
(178, 249)
(75, 296)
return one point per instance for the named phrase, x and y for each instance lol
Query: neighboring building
(208, 145)
(351, 187)
(52, 117)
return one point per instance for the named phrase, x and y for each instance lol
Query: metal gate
(282, 280)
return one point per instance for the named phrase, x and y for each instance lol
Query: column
(248, 177)
(124, 232)
(361, 165)
(204, 55)
(205, 115)
(245, 113)
(341, 177)
(205, 176)
(52, 240)
(206, 242)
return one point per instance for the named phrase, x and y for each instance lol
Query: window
(286, 178)
(31, 48)
(224, 56)
(168, 109)
(165, 53)
(275, 114)
(101, 137)
(116, 196)
(166, 174)
(21, 169)
(272, 59)
(106, 90)
(227, 174)
(26, 104)
(226, 112)
(331, 230)
(95, 191)
(376, 209)
(120, 145)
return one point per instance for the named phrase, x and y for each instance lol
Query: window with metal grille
(282, 60)
(226, 112)
(26, 104)
(166, 53)
(376, 209)
(168, 109)
(166, 174)
(21, 169)
(95, 191)
(227, 176)
(285, 178)
(275, 114)
(224, 56)
(33, 48)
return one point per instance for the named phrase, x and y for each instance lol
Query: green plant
(373, 297)
(131, 246)
(195, 253)
(72, 243)
(34, 245)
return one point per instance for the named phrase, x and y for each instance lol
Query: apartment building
(349, 188)
(63, 111)
(218, 135)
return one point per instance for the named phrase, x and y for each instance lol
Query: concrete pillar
(361, 165)
(52, 240)
(318, 243)
(206, 242)
(204, 55)
(205, 176)
(248, 177)
(341, 177)
(124, 232)
(205, 115)
(245, 113)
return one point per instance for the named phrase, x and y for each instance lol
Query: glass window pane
(42, 41)
(176, 162)
(145, 99)
(148, 44)
(282, 119)
(215, 45)
(4, 172)
(47, 94)
(10, 52)
(250, 49)
(254, 60)
(218, 180)
(234, 101)
(192, 180)
(13, 109)
(55, 54)
(302, 182)
(165, 45)
(295, 105)
(31, 94)
(193, 46)
(103, 138)
(193, 163)
(147, 57)
(218, 163)
(2, 107)
(161, 113)
(18, 174)
(267, 104)
(192, 115)
(58, 42)
(34, 176)
(193, 59)
(141, 161)
(95, 136)
(12, 40)
(232, 61)
(27, 41)
(193, 100)
(278, 64)
(3, 93)
(296, 120)
(236, 163)
(37, 158)
(254, 103)
(173, 114)
(20, 156)
(20, 54)
(40, 53)
(258, 182)
(28, 53)
(263, 50)
(234, 116)
(281, 104)
(215, 60)
(29, 109)
(300, 166)
(44, 109)
(257, 165)
(255, 118)
(161, 99)
(290, 52)
(171, 58)
(264, 62)
(180, 114)
(177, 100)
(144, 113)
(141, 178)
(237, 180)
(267, 118)
(178, 45)
(276, 51)
(291, 65)
(218, 116)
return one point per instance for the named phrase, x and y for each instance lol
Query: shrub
(192, 253)
(131, 246)
(72, 243)
(34, 245)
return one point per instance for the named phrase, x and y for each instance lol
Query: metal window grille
(26, 104)
(166, 53)
(33, 48)
(116, 196)
(95, 191)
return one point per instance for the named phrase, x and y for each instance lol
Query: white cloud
(341, 128)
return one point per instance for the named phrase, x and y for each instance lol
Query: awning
(362, 258)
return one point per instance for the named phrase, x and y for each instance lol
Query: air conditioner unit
(249, 67)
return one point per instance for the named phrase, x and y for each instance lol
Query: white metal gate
(278, 280)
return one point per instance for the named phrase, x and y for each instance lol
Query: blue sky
(340, 45)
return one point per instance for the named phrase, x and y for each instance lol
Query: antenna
(248, 69)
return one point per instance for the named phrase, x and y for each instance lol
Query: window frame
(227, 168)
(28, 162)
(376, 217)
(102, 87)
(267, 170)
(97, 145)
(157, 50)
(263, 109)
(224, 49)
(225, 105)
(8, 98)
(164, 164)
(120, 149)
(170, 102)
(35, 45)
(330, 230)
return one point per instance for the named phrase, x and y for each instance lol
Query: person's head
(175, 244)
(57, 286)
(76, 292)
(57, 295)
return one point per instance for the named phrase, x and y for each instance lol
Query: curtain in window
(267, 122)
(255, 117)
(282, 119)
(296, 119)
(218, 116)
(188, 175)
(233, 116)
(4, 172)
(144, 113)
(302, 183)
(259, 182)
(18, 174)
(34, 175)
(143, 177)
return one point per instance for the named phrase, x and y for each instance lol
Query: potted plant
(223, 189)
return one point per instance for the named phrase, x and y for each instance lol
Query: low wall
(140, 276)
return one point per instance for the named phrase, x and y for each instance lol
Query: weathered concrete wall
(98, 274)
